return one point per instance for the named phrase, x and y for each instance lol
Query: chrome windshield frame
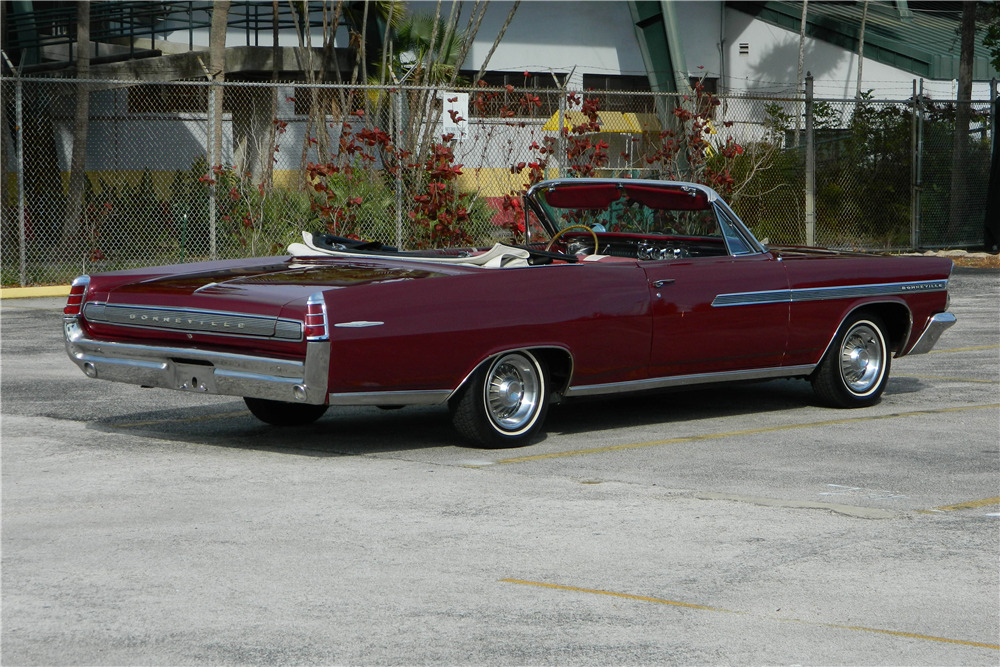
(725, 215)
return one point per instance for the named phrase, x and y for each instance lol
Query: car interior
(595, 221)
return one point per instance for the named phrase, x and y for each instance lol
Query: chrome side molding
(695, 378)
(827, 293)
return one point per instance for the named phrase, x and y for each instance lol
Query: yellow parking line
(628, 596)
(729, 434)
(675, 603)
(202, 418)
(970, 505)
(942, 377)
(965, 349)
(27, 292)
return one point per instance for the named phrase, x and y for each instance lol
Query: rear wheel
(504, 402)
(281, 413)
(855, 370)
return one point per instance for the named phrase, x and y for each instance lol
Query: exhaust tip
(299, 392)
(89, 370)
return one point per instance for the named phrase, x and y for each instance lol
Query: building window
(494, 104)
(168, 98)
(618, 92)
(616, 82)
(709, 83)
(153, 98)
(329, 100)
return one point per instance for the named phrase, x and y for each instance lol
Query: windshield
(641, 208)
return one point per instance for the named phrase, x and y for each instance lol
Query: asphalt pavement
(735, 525)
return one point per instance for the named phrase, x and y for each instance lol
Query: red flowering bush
(441, 213)
(687, 152)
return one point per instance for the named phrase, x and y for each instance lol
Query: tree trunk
(69, 245)
(960, 210)
(316, 129)
(798, 80)
(6, 142)
(496, 42)
(861, 50)
(272, 136)
(217, 68)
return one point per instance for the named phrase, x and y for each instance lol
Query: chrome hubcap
(508, 394)
(513, 391)
(861, 359)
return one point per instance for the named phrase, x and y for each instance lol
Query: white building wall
(562, 36)
(771, 66)
(597, 37)
(700, 27)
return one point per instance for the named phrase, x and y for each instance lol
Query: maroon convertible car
(638, 285)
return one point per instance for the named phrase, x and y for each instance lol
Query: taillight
(316, 327)
(77, 293)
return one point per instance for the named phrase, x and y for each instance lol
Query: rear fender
(895, 314)
(558, 360)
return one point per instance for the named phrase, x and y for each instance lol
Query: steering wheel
(566, 229)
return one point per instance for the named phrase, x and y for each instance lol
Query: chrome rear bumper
(934, 329)
(202, 371)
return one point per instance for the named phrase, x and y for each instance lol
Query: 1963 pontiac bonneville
(638, 285)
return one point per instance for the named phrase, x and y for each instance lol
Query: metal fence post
(561, 137)
(993, 115)
(22, 235)
(991, 219)
(914, 191)
(398, 108)
(810, 166)
(918, 168)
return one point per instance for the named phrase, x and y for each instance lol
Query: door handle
(660, 283)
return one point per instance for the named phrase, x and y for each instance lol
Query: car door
(718, 314)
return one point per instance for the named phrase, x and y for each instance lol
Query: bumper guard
(934, 329)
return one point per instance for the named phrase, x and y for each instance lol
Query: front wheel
(855, 370)
(281, 413)
(504, 403)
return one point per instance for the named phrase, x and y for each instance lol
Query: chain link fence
(163, 179)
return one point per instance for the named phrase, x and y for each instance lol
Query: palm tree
(425, 51)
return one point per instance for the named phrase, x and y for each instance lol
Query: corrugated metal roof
(924, 43)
